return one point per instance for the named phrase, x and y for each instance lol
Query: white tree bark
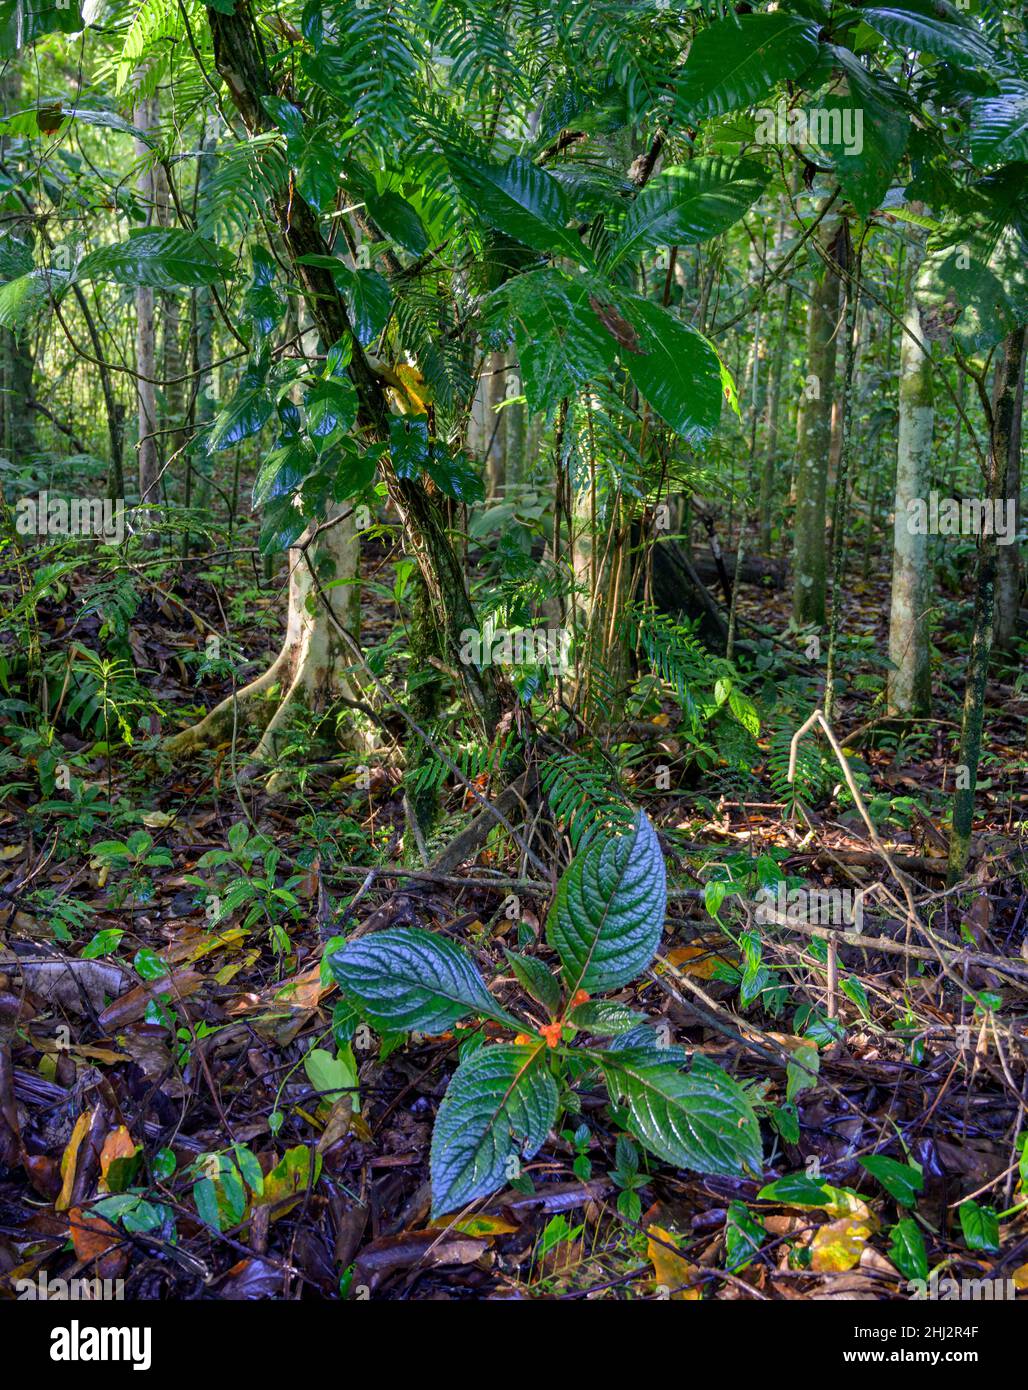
(909, 685)
(310, 670)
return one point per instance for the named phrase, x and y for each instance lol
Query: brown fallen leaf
(132, 1006)
(92, 1236)
(390, 1255)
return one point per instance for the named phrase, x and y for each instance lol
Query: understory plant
(604, 925)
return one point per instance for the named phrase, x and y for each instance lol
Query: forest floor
(137, 1040)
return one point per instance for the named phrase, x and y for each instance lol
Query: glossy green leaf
(901, 1180)
(907, 1249)
(498, 1108)
(519, 199)
(999, 125)
(701, 1119)
(677, 370)
(408, 979)
(689, 203)
(606, 1018)
(165, 258)
(925, 33)
(608, 912)
(980, 1226)
(533, 977)
(737, 61)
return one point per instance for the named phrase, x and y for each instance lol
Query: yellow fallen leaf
(11, 852)
(837, 1246)
(70, 1157)
(1020, 1277)
(474, 1226)
(671, 1269)
(157, 820)
(700, 961)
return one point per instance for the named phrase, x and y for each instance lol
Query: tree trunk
(308, 667)
(239, 58)
(767, 477)
(910, 682)
(1001, 433)
(1008, 561)
(146, 357)
(494, 394)
(813, 438)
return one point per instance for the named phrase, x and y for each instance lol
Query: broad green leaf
(744, 1235)
(999, 125)
(331, 406)
(926, 34)
(399, 221)
(907, 1249)
(28, 294)
(737, 61)
(262, 304)
(22, 22)
(282, 526)
(335, 1076)
(795, 1190)
(689, 203)
(408, 979)
(317, 172)
(533, 977)
(519, 199)
(901, 1180)
(606, 1018)
(561, 343)
(246, 414)
(454, 473)
(608, 912)
(498, 1108)
(165, 258)
(980, 1226)
(677, 370)
(701, 1119)
(865, 169)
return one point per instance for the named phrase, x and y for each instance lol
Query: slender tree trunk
(494, 393)
(910, 682)
(767, 477)
(813, 439)
(1008, 563)
(17, 427)
(840, 511)
(1002, 430)
(146, 356)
